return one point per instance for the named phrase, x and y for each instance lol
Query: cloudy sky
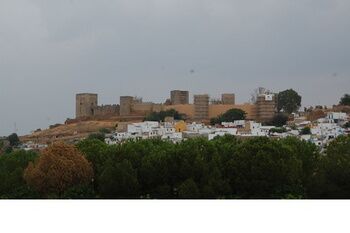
(50, 50)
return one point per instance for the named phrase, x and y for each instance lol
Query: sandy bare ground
(69, 132)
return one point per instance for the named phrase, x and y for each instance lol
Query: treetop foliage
(306, 130)
(12, 166)
(160, 116)
(14, 140)
(58, 168)
(278, 130)
(99, 136)
(229, 116)
(226, 167)
(279, 120)
(345, 100)
(289, 101)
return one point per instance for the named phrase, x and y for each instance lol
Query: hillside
(69, 132)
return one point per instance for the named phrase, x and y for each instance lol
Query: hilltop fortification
(263, 110)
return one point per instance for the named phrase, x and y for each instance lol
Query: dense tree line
(12, 183)
(226, 167)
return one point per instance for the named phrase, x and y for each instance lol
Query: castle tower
(266, 107)
(201, 107)
(86, 104)
(125, 105)
(179, 97)
(228, 98)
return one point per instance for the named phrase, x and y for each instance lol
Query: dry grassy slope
(69, 132)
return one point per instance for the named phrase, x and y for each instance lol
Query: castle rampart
(201, 110)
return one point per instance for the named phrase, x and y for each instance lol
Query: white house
(143, 127)
(337, 116)
(327, 130)
(194, 127)
(222, 132)
(174, 137)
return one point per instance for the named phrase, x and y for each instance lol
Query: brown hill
(69, 132)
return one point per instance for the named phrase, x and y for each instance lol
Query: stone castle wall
(218, 109)
(187, 109)
(107, 110)
(201, 110)
(215, 109)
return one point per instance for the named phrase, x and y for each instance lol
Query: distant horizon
(148, 100)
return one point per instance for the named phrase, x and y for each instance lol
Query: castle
(202, 109)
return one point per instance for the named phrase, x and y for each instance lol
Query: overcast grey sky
(50, 50)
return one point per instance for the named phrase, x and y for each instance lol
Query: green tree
(98, 136)
(264, 168)
(2, 145)
(14, 140)
(154, 174)
(203, 161)
(105, 131)
(12, 184)
(278, 130)
(85, 191)
(305, 131)
(226, 167)
(229, 116)
(309, 155)
(332, 178)
(160, 116)
(97, 153)
(189, 190)
(279, 120)
(119, 181)
(289, 101)
(345, 100)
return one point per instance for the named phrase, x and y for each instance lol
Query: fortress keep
(87, 107)
(179, 97)
(86, 104)
(263, 110)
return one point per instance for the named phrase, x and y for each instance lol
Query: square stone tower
(126, 105)
(266, 107)
(228, 98)
(201, 107)
(179, 97)
(86, 104)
